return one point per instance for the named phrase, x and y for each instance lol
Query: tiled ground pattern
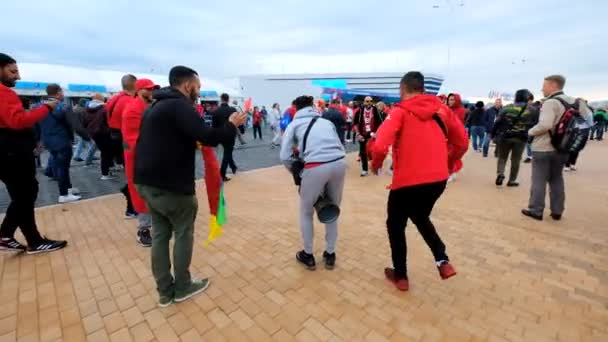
(518, 280)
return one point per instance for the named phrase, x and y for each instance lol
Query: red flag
(248, 103)
(213, 182)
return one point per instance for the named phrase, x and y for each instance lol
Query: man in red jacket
(115, 108)
(17, 166)
(419, 129)
(131, 121)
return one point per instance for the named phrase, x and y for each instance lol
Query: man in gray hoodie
(323, 174)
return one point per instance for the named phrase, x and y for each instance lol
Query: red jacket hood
(458, 99)
(422, 106)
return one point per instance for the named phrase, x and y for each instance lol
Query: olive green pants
(172, 214)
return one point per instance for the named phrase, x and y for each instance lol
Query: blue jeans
(486, 144)
(50, 167)
(84, 145)
(478, 133)
(61, 169)
(529, 150)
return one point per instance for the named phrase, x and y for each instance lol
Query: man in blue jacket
(489, 118)
(57, 137)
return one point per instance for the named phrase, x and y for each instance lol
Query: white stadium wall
(268, 89)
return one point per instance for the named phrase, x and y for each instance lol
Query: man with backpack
(510, 132)
(551, 146)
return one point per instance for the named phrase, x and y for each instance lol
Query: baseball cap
(144, 83)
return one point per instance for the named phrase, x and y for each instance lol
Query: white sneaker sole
(183, 299)
(45, 250)
(165, 305)
(11, 250)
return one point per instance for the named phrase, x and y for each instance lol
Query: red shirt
(12, 114)
(131, 121)
(292, 111)
(257, 118)
(420, 149)
(116, 107)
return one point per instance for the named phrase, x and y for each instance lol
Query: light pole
(451, 6)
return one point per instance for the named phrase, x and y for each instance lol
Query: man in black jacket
(366, 123)
(219, 119)
(164, 177)
(334, 115)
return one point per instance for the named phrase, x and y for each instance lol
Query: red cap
(144, 83)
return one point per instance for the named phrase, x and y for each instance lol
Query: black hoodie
(166, 146)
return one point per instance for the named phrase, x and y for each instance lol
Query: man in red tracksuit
(17, 165)
(131, 121)
(419, 129)
(115, 108)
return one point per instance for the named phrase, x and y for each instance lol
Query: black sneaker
(330, 260)
(11, 245)
(78, 160)
(512, 184)
(131, 214)
(47, 245)
(307, 260)
(556, 217)
(528, 160)
(144, 238)
(529, 213)
(499, 180)
(225, 179)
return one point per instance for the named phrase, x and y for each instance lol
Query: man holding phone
(18, 171)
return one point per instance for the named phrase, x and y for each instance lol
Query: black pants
(227, 160)
(61, 169)
(415, 203)
(349, 129)
(104, 143)
(117, 148)
(257, 129)
(363, 154)
(572, 158)
(125, 192)
(18, 173)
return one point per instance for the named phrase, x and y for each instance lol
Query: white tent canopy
(65, 75)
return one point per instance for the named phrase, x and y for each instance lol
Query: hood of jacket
(422, 106)
(94, 105)
(458, 99)
(305, 113)
(168, 93)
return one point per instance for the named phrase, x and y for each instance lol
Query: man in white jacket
(274, 119)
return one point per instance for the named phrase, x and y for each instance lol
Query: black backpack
(572, 130)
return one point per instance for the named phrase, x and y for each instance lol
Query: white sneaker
(108, 177)
(364, 173)
(573, 168)
(452, 178)
(566, 169)
(69, 198)
(74, 191)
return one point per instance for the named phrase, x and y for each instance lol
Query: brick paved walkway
(518, 280)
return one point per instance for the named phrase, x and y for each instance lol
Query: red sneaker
(401, 284)
(446, 270)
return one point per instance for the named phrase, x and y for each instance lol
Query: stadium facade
(282, 89)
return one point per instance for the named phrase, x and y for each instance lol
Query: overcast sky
(493, 45)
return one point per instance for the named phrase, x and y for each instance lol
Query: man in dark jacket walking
(488, 121)
(477, 125)
(334, 115)
(219, 119)
(164, 177)
(18, 169)
(58, 137)
(511, 134)
(366, 122)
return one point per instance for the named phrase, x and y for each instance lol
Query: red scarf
(368, 121)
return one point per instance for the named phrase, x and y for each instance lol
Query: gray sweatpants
(327, 177)
(547, 167)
